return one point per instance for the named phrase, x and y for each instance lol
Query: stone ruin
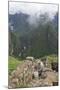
(29, 74)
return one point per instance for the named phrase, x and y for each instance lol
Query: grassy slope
(13, 63)
(53, 58)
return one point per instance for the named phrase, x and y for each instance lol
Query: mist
(39, 18)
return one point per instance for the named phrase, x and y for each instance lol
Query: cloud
(32, 8)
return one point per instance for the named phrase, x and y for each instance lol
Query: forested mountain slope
(26, 39)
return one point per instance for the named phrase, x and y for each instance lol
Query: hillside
(27, 39)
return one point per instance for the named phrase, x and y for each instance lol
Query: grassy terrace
(13, 63)
(52, 58)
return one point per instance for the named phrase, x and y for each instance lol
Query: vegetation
(52, 58)
(13, 63)
(27, 40)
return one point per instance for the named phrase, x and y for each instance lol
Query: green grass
(52, 58)
(13, 63)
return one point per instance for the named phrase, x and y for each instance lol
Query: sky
(32, 8)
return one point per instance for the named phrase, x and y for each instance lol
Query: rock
(10, 87)
(54, 66)
(13, 72)
(55, 83)
(28, 74)
(47, 84)
(29, 58)
(15, 80)
(43, 75)
(35, 74)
